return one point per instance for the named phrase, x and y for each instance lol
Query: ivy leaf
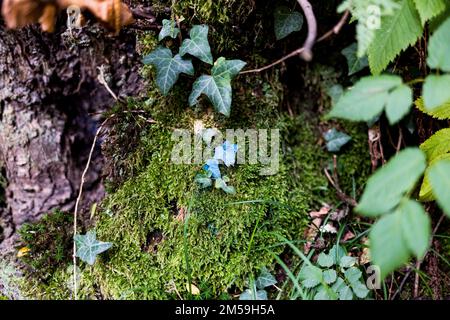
(265, 279)
(286, 22)
(360, 289)
(440, 181)
(168, 68)
(429, 9)
(397, 32)
(439, 48)
(336, 140)
(250, 295)
(217, 86)
(387, 246)
(88, 247)
(385, 188)
(325, 260)
(354, 63)
(335, 92)
(416, 227)
(436, 91)
(329, 276)
(399, 103)
(198, 44)
(442, 112)
(369, 96)
(169, 29)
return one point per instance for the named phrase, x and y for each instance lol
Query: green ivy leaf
(329, 276)
(385, 188)
(387, 246)
(429, 9)
(354, 63)
(367, 99)
(250, 295)
(286, 22)
(439, 176)
(168, 68)
(169, 29)
(198, 44)
(218, 85)
(397, 32)
(335, 140)
(416, 227)
(436, 91)
(265, 279)
(88, 247)
(439, 48)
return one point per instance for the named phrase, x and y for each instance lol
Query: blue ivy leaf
(227, 153)
(212, 165)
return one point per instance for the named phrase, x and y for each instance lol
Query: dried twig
(335, 183)
(307, 54)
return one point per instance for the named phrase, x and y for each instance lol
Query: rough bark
(50, 100)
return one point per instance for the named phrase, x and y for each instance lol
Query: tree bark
(50, 105)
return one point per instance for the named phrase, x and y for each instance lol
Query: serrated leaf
(437, 144)
(439, 48)
(385, 188)
(354, 63)
(429, 9)
(367, 99)
(397, 32)
(336, 140)
(336, 252)
(347, 262)
(198, 44)
(168, 68)
(325, 260)
(324, 294)
(286, 22)
(352, 274)
(416, 227)
(436, 91)
(88, 247)
(387, 246)
(338, 285)
(439, 176)
(426, 192)
(329, 276)
(442, 112)
(359, 289)
(217, 87)
(399, 103)
(169, 29)
(311, 276)
(265, 279)
(345, 293)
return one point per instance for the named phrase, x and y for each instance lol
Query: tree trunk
(50, 105)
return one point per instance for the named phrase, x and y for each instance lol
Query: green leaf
(366, 99)
(338, 285)
(203, 180)
(397, 32)
(352, 274)
(438, 144)
(416, 227)
(439, 48)
(436, 91)
(265, 279)
(336, 252)
(440, 181)
(325, 260)
(347, 262)
(429, 9)
(399, 103)
(345, 293)
(336, 140)
(169, 29)
(324, 294)
(442, 112)
(354, 63)
(217, 87)
(311, 276)
(198, 44)
(360, 289)
(250, 295)
(168, 68)
(329, 276)
(385, 188)
(286, 22)
(387, 246)
(88, 247)
(426, 192)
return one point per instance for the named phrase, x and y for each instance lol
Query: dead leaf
(322, 212)
(365, 255)
(194, 290)
(328, 228)
(339, 215)
(311, 234)
(181, 215)
(349, 235)
(23, 252)
(20, 13)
